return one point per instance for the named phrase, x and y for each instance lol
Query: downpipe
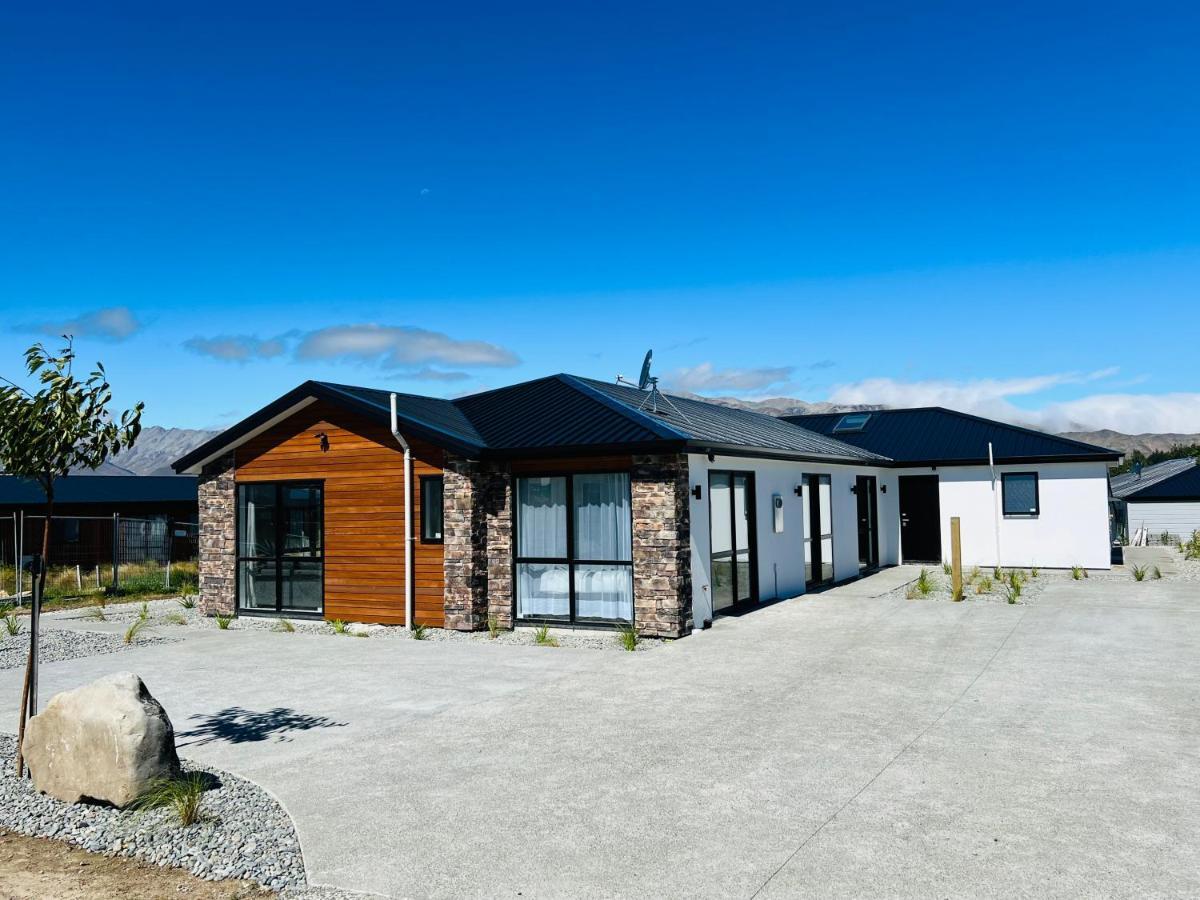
(409, 604)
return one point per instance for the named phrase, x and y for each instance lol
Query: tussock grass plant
(1033, 573)
(1156, 573)
(947, 569)
(997, 573)
(97, 612)
(1191, 550)
(183, 796)
(542, 637)
(284, 625)
(925, 583)
(974, 575)
(983, 586)
(493, 627)
(1012, 592)
(134, 629)
(223, 621)
(144, 611)
(174, 618)
(1139, 573)
(627, 636)
(1078, 572)
(12, 625)
(418, 631)
(912, 593)
(338, 626)
(187, 601)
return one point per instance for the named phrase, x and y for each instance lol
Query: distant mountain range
(158, 447)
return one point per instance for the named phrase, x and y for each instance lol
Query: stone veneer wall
(499, 513)
(662, 570)
(217, 495)
(464, 535)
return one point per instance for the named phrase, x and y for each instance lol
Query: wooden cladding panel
(363, 473)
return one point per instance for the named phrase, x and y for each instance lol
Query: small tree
(65, 425)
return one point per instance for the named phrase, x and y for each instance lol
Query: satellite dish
(644, 378)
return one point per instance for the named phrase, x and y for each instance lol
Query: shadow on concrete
(235, 725)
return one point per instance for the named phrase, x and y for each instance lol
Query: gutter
(409, 603)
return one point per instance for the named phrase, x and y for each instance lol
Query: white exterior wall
(1180, 519)
(1071, 528)
(781, 556)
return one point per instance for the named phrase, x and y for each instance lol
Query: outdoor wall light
(854, 488)
(323, 439)
(696, 492)
(798, 490)
(712, 457)
(883, 489)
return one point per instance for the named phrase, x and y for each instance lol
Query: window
(1020, 493)
(574, 541)
(280, 547)
(851, 422)
(431, 509)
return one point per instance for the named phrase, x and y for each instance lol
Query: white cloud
(428, 374)
(705, 377)
(236, 348)
(114, 323)
(395, 346)
(1129, 413)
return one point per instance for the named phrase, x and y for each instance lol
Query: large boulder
(105, 742)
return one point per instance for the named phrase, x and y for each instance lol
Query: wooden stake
(956, 583)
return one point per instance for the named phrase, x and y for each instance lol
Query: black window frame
(1037, 497)
(426, 508)
(570, 560)
(279, 557)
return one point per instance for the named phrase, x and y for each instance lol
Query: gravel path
(55, 645)
(245, 834)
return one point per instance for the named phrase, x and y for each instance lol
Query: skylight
(851, 422)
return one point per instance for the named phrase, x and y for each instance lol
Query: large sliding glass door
(281, 550)
(731, 535)
(574, 539)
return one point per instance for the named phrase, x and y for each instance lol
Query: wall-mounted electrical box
(777, 507)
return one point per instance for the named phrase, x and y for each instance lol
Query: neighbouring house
(1162, 499)
(562, 500)
(1022, 497)
(149, 510)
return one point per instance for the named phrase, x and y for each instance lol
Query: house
(1022, 497)
(561, 500)
(85, 508)
(1159, 499)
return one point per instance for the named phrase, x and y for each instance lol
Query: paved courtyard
(833, 746)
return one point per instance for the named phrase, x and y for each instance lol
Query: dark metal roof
(556, 415)
(1121, 486)
(720, 427)
(100, 490)
(934, 435)
(1183, 486)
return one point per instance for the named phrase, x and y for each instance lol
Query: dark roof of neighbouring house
(1121, 486)
(1182, 485)
(934, 435)
(100, 490)
(556, 415)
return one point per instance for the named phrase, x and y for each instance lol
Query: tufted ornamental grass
(285, 626)
(543, 638)
(134, 629)
(1078, 572)
(223, 621)
(1139, 573)
(983, 585)
(627, 636)
(493, 625)
(12, 625)
(183, 796)
(925, 583)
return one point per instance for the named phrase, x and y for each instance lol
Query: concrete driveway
(840, 745)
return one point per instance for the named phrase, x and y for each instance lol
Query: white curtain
(542, 590)
(602, 517)
(542, 517)
(603, 592)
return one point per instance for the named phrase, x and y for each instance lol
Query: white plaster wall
(1180, 519)
(781, 556)
(1071, 529)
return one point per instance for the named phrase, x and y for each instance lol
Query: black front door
(868, 522)
(920, 519)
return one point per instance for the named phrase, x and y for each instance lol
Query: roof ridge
(662, 429)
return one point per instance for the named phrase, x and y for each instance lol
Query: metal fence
(89, 554)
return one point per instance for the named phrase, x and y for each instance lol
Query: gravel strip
(246, 834)
(55, 645)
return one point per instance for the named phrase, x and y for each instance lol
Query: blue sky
(992, 209)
